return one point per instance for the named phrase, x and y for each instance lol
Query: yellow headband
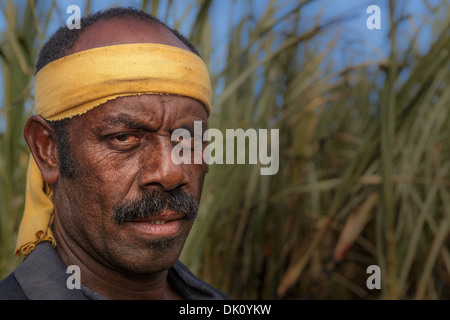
(82, 81)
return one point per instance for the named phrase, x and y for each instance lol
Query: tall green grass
(364, 155)
(19, 44)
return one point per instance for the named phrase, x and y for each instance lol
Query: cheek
(88, 216)
(108, 168)
(105, 180)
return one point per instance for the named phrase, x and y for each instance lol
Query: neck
(108, 282)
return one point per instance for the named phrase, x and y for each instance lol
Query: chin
(157, 256)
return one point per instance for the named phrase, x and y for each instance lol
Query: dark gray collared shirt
(42, 276)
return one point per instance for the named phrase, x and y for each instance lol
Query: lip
(153, 227)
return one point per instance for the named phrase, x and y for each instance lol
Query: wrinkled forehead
(147, 112)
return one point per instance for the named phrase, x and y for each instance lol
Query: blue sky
(374, 41)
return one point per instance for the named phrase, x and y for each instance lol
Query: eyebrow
(131, 123)
(125, 120)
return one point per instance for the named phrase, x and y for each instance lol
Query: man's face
(122, 151)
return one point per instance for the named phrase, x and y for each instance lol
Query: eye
(124, 141)
(122, 137)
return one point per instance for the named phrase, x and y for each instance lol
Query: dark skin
(123, 150)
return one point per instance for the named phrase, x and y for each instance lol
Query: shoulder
(196, 289)
(41, 276)
(10, 289)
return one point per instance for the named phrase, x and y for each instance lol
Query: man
(103, 194)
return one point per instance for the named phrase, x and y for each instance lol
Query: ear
(42, 143)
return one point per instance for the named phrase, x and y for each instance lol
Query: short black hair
(59, 44)
(68, 167)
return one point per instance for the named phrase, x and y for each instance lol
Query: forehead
(124, 30)
(152, 110)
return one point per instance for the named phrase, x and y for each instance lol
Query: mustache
(154, 203)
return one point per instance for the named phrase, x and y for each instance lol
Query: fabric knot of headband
(79, 82)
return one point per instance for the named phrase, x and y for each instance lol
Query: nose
(158, 169)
